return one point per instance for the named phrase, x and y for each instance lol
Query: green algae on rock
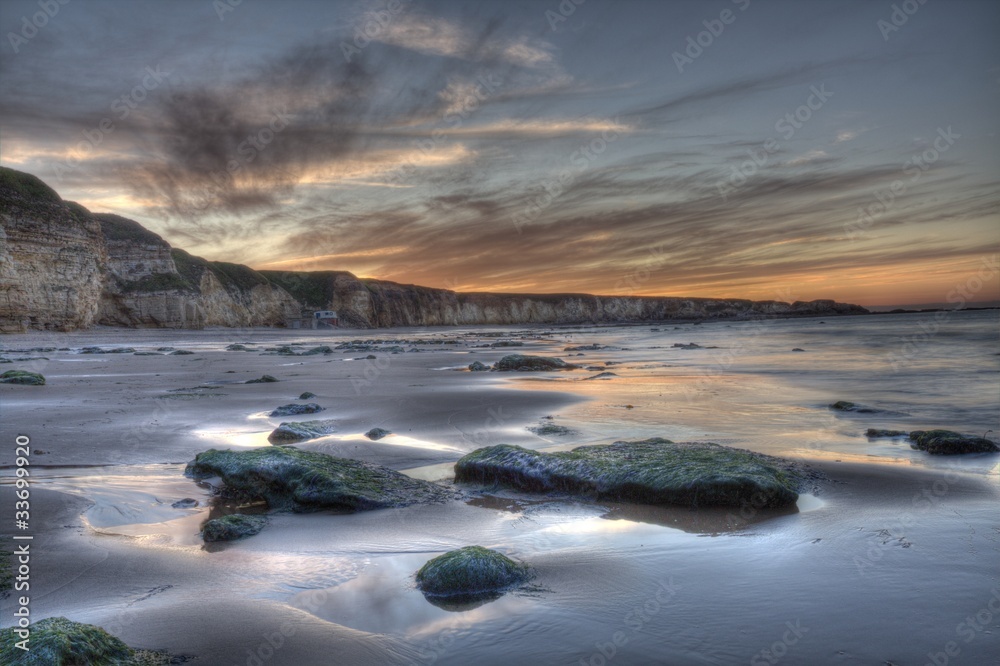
(290, 478)
(651, 471)
(295, 410)
(878, 433)
(264, 379)
(520, 362)
(376, 434)
(57, 641)
(300, 431)
(22, 377)
(232, 527)
(470, 572)
(947, 442)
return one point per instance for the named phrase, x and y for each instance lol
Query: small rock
(469, 572)
(307, 395)
(181, 352)
(377, 433)
(877, 433)
(521, 363)
(265, 379)
(232, 527)
(300, 431)
(797, 349)
(947, 442)
(295, 410)
(22, 377)
(476, 366)
(185, 503)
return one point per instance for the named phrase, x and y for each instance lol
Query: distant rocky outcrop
(64, 268)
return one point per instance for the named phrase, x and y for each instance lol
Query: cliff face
(52, 258)
(377, 304)
(62, 267)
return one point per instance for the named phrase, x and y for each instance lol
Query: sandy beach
(890, 556)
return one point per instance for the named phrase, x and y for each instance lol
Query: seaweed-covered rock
(114, 350)
(265, 379)
(651, 471)
(878, 433)
(520, 362)
(846, 406)
(22, 377)
(307, 395)
(295, 410)
(477, 366)
(603, 375)
(57, 641)
(947, 442)
(550, 429)
(300, 431)
(232, 527)
(469, 572)
(186, 503)
(289, 478)
(377, 433)
(181, 352)
(238, 347)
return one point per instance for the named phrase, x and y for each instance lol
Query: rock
(593, 347)
(147, 354)
(377, 433)
(307, 395)
(290, 478)
(370, 357)
(115, 350)
(237, 347)
(164, 349)
(845, 406)
(519, 362)
(652, 471)
(476, 366)
(690, 345)
(876, 433)
(232, 527)
(603, 375)
(57, 640)
(22, 377)
(506, 343)
(186, 503)
(469, 572)
(550, 429)
(798, 349)
(300, 431)
(947, 442)
(265, 379)
(295, 410)
(181, 352)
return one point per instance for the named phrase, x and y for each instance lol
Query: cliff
(63, 268)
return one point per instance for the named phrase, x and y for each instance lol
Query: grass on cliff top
(117, 228)
(290, 478)
(27, 185)
(57, 641)
(470, 571)
(652, 471)
(238, 276)
(312, 289)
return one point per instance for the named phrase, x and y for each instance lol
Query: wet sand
(881, 561)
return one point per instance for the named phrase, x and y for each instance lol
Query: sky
(728, 148)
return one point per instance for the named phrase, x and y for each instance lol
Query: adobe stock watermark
(223, 7)
(914, 168)
(714, 28)
(968, 629)
(635, 620)
(786, 126)
(959, 296)
(31, 26)
(565, 9)
(554, 187)
(370, 26)
(246, 152)
(778, 649)
(899, 16)
(121, 108)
